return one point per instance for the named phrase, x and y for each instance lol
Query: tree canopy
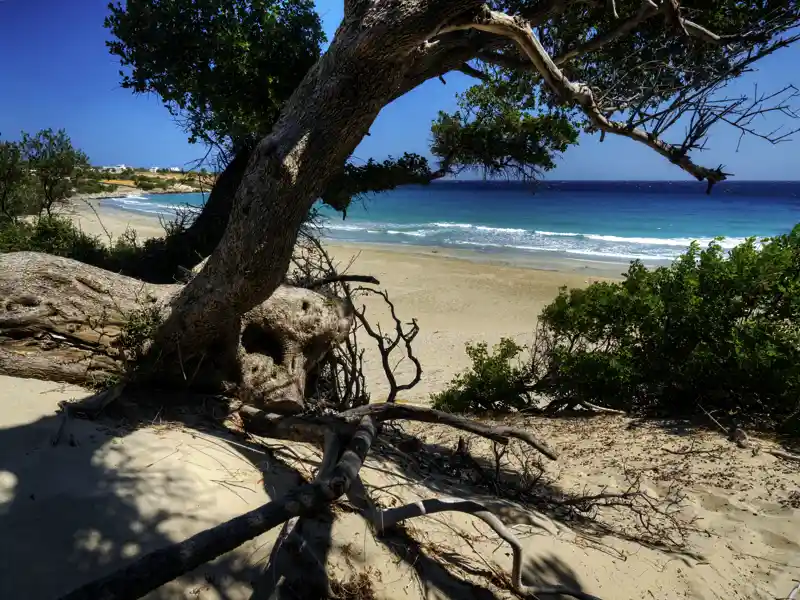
(629, 68)
(38, 172)
(224, 68)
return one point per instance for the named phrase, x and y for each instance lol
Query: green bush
(53, 235)
(59, 236)
(150, 260)
(91, 186)
(144, 184)
(711, 332)
(495, 382)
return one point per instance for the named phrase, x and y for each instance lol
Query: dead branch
(387, 344)
(383, 520)
(164, 565)
(497, 433)
(341, 279)
(784, 455)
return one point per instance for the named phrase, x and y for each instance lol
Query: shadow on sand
(106, 494)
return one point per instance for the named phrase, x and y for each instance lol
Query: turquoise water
(619, 220)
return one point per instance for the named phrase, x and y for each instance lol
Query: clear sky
(55, 72)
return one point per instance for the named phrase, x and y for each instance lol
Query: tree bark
(62, 320)
(320, 126)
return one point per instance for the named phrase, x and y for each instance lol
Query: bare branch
(387, 344)
(498, 433)
(581, 94)
(341, 279)
(647, 9)
(383, 520)
(165, 564)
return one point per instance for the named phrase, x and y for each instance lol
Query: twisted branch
(383, 520)
(161, 566)
(581, 94)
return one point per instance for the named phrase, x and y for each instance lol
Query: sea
(620, 220)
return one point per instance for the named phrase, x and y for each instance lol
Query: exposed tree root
(383, 520)
(164, 565)
(498, 433)
(310, 428)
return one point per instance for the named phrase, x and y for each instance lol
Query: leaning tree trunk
(371, 61)
(164, 258)
(320, 126)
(62, 320)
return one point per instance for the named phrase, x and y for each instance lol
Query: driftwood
(383, 520)
(337, 476)
(62, 320)
(164, 565)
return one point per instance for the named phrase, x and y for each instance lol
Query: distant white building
(115, 169)
(175, 169)
(154, 169)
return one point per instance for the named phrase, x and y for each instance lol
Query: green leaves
(15, 181)
(716, 329)
(55, 163)
(500, 131)
(38, 172)
(224, 67)
(494, 382)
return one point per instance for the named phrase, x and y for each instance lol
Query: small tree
(55, 163)
(15, 181)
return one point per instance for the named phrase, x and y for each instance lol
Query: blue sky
(56, 72)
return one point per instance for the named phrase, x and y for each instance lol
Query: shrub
(59, 236)
(495, 382)
(127, 254)
(711, 332)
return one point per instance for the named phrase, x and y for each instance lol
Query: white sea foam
(681, 242)
(454, 225)
(625, 255)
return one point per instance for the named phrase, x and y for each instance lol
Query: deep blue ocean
(652, 221)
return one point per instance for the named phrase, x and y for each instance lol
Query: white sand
(72, 512)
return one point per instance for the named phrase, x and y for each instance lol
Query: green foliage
(716, 331)
(54, 164)
(226, 67)
(138, 331)
(52, 235)
(495, 382)
(93, 186)
(59, 236)
(16, 183)
(376, 176)
(500, 135)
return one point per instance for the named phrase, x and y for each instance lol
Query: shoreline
(149, 225)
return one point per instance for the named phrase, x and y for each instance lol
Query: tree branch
(341, 279)
(387, 345)
(473, 72)
(581, 94)
(164, 565)
(383, 520)
(405, 412)
(647, 9)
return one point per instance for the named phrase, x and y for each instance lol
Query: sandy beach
(456, 296)
(107, 492)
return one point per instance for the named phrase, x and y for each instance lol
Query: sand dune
(106, 494)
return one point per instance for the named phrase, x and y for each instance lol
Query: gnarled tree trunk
(62, 320)
(320, 126)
